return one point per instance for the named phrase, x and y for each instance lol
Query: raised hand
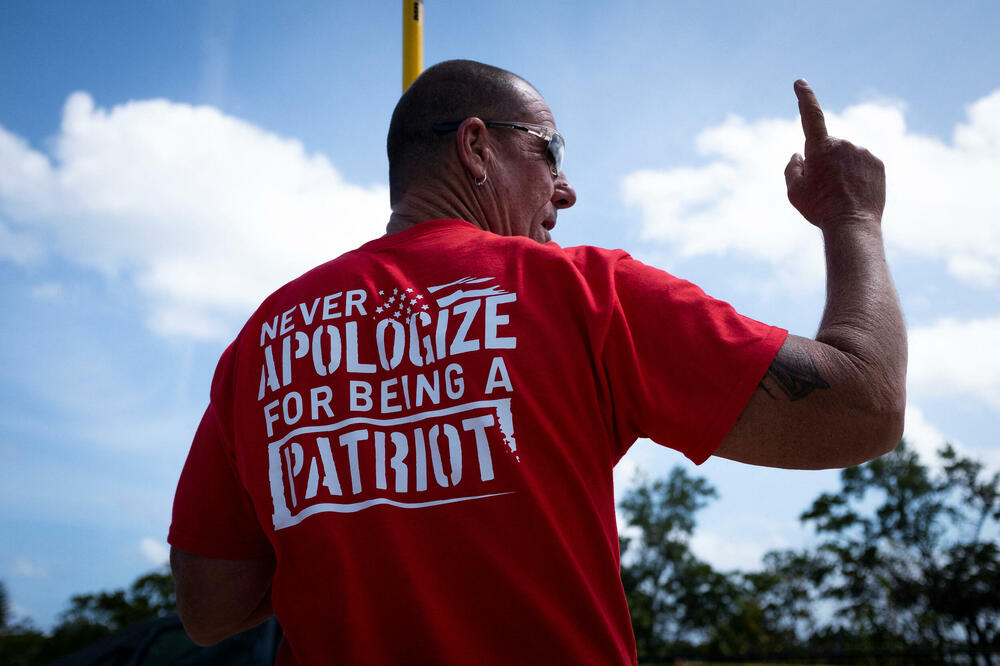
(836, 182)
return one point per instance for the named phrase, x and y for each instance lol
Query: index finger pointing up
(813, 122)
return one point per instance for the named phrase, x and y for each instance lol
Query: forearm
(837, 400)
(862, 319)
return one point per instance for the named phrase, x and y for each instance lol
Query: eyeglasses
(555, 145)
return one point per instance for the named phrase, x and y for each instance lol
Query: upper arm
(815, 408)
(217, 598)
(225, 588)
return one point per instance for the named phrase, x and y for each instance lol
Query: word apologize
(306, 344)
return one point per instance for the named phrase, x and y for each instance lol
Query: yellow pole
(413, 41)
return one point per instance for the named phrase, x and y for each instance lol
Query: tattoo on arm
(794, 373)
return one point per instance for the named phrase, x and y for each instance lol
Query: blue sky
(163, 166)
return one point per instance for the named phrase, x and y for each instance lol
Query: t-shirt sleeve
(681, 365)
(213, 515)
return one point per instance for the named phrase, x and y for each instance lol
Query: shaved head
(450, 91)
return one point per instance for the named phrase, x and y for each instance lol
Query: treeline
(905, 570)
(89, 618)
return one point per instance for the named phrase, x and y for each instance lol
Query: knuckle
(865, 153)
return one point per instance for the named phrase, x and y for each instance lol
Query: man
(407, 456)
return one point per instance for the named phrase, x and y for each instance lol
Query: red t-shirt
(423, 432)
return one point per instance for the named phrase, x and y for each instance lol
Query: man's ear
(472, 143)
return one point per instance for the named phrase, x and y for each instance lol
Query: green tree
(905, 559)
(963, 586)
(674, 598)
(20, 643)
(776, 608)
(150, 595)
(906, 562)
(89, 618)
(5, 616)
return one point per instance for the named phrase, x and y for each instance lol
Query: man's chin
(542, 236)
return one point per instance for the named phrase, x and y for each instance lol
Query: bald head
(447, 92)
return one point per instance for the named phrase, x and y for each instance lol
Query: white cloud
(922, 435)
(154, 550)
(727, 553)
(624, 475)
(204, 212)
(47, 291)
(28, 569)
(952, 357)
(942, 205)
(18, 247)
(927, 439)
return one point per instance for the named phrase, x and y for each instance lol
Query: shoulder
(589, 258)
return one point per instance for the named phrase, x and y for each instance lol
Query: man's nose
(564, 195)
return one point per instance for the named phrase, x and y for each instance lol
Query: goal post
(413, 41)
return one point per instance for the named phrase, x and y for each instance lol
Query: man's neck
(414, 208)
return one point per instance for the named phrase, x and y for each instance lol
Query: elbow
(888, 400)
(892, 413)
(878, 409)
(894, 425)
(199, 625)
(202, 633)
(897, 421)
(203, 624)
(217, 598)
(890, 434)
(203, 640)
(884, 428)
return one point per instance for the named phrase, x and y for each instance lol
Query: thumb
(795, 179)
(793, 172)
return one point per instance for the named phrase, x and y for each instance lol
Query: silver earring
(479, 183)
